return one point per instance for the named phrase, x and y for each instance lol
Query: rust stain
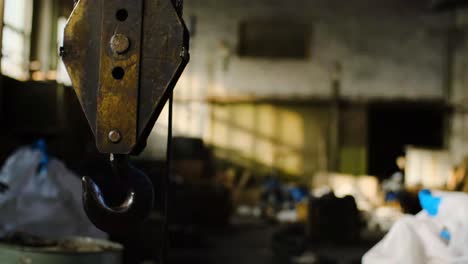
(151, 66)
(117, 101)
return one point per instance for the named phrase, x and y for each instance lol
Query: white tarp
(417, 239)
(44, 203)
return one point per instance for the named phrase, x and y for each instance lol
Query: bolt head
(115, 136)
(119, 43)
(61, 51)
(184, 54)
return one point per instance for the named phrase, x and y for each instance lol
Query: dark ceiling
(66, 6)
(448, 4)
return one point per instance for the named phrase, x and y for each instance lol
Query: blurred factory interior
(303, 131)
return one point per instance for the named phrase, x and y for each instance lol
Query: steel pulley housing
(124, 58)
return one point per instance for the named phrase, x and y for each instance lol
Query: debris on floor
(43, 198)
(438, 234)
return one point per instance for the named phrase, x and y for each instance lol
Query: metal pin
(115, 136)
(119, 43)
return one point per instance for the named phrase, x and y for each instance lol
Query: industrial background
(308, 93)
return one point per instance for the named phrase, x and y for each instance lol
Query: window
(274, 39)
(16, 38)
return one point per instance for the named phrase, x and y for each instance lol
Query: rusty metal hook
(132, 211)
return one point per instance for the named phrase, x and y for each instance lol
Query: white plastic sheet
(44, 203)
(417, 239)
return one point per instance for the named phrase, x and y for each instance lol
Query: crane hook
(132, 211)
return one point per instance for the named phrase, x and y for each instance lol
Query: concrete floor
(245, 242)
(249, 242)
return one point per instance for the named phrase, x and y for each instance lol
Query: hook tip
(124, 217)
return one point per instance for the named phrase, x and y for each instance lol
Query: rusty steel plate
(117, 99)
(124, 58)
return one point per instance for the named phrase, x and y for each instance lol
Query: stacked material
(438, 234)
(42, 198)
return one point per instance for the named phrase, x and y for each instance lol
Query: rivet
(114, 136)
(119, 43)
